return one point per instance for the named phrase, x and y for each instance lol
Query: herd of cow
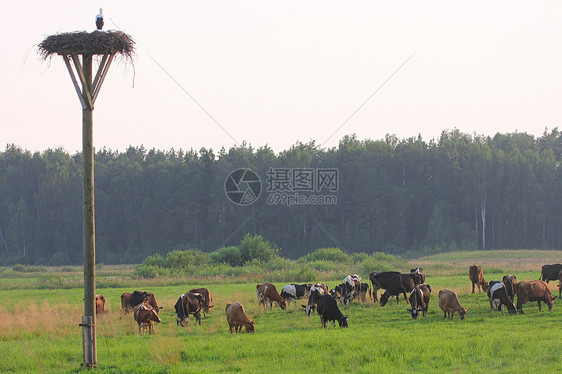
(325, 301)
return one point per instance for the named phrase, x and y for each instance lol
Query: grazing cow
(420, 272)
(533, 291)
(236, 317)
(350, 288)
(476, 276)
(550, 272)
(207, 299)
(419, 300)
(380, 281)
(130, 300)
(498, 296)
(188, 303)
(327, 308)
(399, 284)
(316, 291)
(449, 304)
(364, 291)
(267, 293)
(145, 315)
(509, 282)
(100, 304)
(295, 292)
(560, 285)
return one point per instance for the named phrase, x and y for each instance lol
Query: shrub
(183, 259)
(327, 254)
(155, 260)
(255, 247)
(149, 271)
(28, 268)
(227, 255)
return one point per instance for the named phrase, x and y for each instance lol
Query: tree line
(400, 196)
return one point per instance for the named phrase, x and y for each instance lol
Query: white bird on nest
(99, 20)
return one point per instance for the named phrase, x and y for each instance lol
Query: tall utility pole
(77, 51)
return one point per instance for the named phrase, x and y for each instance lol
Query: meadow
(39, 330)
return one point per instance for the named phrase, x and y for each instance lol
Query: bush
(254, 247)
(183, 259)
(149, 271)
(28, 268)
(155, 260)
(327, 254)
(227, 255)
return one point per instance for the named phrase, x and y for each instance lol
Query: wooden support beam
(103, 68)
(85, 86)
(73, 78)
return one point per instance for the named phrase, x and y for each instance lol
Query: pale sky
(278, 72)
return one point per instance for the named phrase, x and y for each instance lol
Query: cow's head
(484, 285)
(282, 304)
(343, 321)
(384, 299)
(462, 312)
(250, 326)
(309, 309)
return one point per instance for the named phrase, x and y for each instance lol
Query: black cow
(400, 284)
(497, 294)
(380, 281)
(509, 282)
(550, 272)
(419, 300)
(327, 308)
(420, 272)
(188, 303)
(316, 291)
(138, 297)
(295, 292)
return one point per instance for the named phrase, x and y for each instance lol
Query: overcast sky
(278, 72)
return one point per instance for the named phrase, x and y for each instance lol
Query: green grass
(39, 332)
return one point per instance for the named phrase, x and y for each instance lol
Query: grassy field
(39, 330)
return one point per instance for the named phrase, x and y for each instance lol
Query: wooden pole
(89, 319)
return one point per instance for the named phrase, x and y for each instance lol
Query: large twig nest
(82, 42)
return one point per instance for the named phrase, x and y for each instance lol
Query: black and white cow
(295, 292)
(380, 281)
(327, 308)
(316, 291)
(350, 288)
(419, 300)
(497, 294)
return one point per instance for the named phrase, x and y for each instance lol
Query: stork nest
(82, 42)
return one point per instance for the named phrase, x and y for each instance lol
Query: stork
(99, 20)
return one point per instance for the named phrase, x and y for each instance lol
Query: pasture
(39, 330)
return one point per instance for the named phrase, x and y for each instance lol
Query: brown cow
(130, 300)
(535, 290)
(509, 282)
(449, 304)
(236, 317)
(145, 314)
(476, 276)
(100, 304)
(207, 299)
(267, 293)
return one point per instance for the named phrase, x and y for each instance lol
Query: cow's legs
(539, 302)
(472, 287)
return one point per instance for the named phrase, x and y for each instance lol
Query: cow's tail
(371, 287)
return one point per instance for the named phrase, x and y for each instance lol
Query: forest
(404, 197)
